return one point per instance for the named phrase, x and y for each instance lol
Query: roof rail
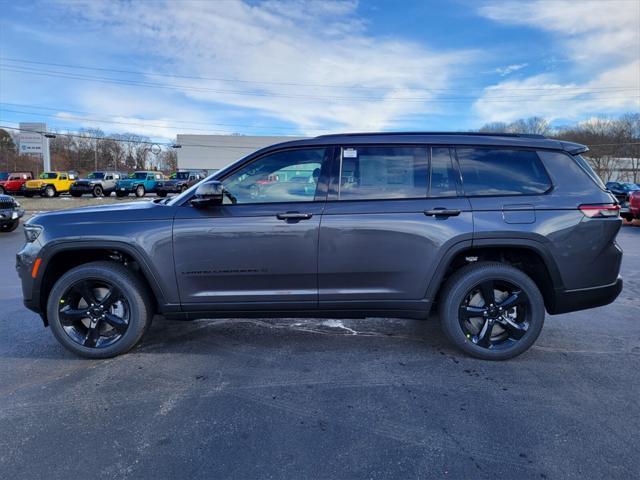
(474, 134)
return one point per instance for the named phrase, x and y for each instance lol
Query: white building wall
(213, 152)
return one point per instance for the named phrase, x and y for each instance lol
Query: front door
(260, 248)
(388, 220)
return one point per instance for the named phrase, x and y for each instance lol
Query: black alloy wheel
(97, 191)
(94, 313)
(99, 309)
(491, 310)
(494, 314)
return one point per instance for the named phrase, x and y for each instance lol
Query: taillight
(600, 211)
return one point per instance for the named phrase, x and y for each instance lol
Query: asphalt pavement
(306, 399)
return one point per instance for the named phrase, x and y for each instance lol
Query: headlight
(32, 232)
(14, 215)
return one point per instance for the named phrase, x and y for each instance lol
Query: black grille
(6, 204)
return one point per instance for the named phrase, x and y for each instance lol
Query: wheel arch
(62, 257)
(530, 256)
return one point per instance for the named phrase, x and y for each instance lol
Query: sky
(300, 68)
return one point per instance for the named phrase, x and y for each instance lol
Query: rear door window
(445, 177)
(497, 171)
(382, 172)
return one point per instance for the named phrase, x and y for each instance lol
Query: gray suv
(97, 184)
(490, 230)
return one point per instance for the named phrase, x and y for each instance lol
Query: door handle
(294, 216)
(442, 212)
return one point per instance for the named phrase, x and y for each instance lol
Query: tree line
(614, 148)
(614, 143)
(90, 150)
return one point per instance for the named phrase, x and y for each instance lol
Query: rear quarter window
(497, 171)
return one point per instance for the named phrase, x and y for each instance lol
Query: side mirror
(208, 195)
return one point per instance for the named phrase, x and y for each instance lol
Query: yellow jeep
(50, 184)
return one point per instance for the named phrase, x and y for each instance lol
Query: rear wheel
(10, 226)
(97, 191)
(491, 311)
(99, 310)
(140, 191)
(49, 191)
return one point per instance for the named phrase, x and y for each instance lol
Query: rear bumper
(573, 300)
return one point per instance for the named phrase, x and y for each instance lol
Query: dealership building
(213, 152)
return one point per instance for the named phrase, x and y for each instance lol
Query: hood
(35, 183)
(88, 180)
(112, 213)
(130, 181)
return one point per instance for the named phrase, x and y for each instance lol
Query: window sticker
(349, 153)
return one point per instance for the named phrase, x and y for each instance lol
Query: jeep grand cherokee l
(491, 229)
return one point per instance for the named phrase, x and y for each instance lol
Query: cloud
(294, 61)
(509, 69)
(602, 43)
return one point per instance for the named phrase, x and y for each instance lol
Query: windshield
(48, 175)
(629, 187)
(182, 175)
(99, 175)
(138, 175)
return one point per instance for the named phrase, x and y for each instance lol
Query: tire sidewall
(49, 191)
(139, 189)
(466, 279)
(97, 191)
(139, 317)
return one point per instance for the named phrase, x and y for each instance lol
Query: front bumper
(581, 299)
(9, 215)
(81, 188)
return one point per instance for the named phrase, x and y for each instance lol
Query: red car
(15, 182)
(634, 207)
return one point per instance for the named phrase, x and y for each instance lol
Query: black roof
(441, 138)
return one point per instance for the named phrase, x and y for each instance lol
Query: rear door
(388, 221)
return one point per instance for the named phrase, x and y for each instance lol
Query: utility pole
(95, 155)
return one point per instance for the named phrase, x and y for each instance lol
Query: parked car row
(98, 184)
(628, 195)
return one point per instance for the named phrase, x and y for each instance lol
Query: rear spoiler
(574, 148)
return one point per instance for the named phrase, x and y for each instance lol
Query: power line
(64, 110)
(261, 82)
(494, 99)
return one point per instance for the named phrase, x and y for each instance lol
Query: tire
(2, 192)
(76, 194)
(49, 191)
(468, 331)
(97, 191)
(10, 226)
(28, 194)
(133, 298)
(183, 188)
(140, 191)
(161, 194)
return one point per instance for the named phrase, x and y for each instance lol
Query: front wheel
(491, 310)
(140, 191)
(99, 310)
(97, 191)
(2, 192)
(9, 226)
(49, 191)
(75, 194)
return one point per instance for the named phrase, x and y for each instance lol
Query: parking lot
(377, 398)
